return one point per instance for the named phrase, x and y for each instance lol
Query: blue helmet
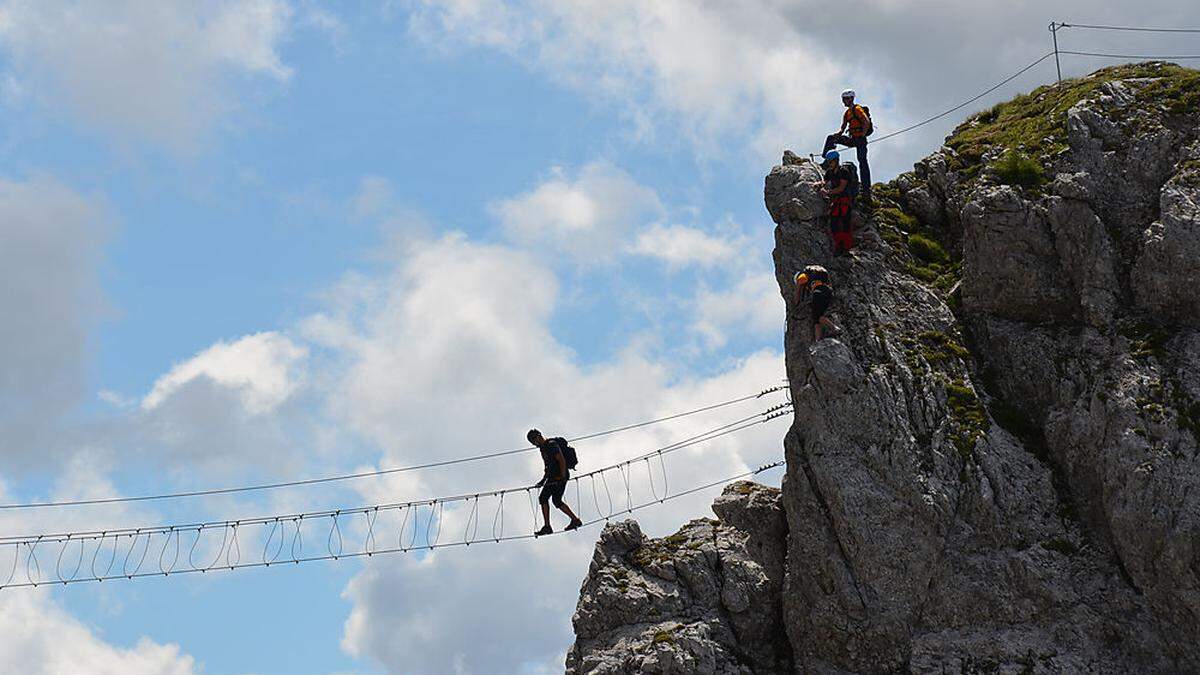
(833, 156)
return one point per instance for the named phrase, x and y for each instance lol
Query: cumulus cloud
(768, 73)
(39, 636)
(587, 216)
(752, 306)
(264, 368)
(51, 240)
(161, 72)
(679, 245)
(234, 407)
(703, 70)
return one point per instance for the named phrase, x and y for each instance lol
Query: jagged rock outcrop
(996, 467)
(704, 600)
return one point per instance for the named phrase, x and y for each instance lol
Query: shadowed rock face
(1006, 479)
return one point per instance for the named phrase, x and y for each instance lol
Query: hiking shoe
(545, 530)
(575, 524)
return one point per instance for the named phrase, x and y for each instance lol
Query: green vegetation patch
(659, 550)
(664, 635)
(930, 262)
(1178, 89)
(743, 487)
(893, 223)
(1172, 394)
(927, 250)
(1146, 338)
(968, 415)
(935, 347)
(1060, 545)
(1018, 169)
(1037, 121)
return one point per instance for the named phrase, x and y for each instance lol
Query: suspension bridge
(636, 483)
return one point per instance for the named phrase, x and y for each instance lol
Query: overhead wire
(964, 104)
(1140, 29)
(374, 472)
(1140, 57)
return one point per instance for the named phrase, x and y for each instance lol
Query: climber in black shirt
(554, 481)
(839, 187)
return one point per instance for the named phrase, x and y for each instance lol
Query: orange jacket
(856, 119)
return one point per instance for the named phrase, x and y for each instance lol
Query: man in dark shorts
(554, 481)
(814, 280)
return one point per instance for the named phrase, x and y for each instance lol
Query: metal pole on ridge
(1054, 35)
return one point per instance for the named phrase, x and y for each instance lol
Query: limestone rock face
(995, 468)
(704, 600)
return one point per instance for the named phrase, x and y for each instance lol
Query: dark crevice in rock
(847, 560)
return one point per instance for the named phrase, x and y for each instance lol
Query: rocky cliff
(994, 468)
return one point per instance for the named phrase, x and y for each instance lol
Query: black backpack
(851, 179)
(568, 453)
(870, 122)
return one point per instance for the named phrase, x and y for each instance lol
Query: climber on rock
(839, 188)
(857, 121)
(814, 281)
(559, 459)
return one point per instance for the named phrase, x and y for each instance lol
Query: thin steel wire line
(964, 104)
(1139, 57)
(1139, 29)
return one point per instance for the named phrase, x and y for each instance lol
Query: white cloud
(163, 72)
(678, 245)
(763, 75)
(231, 409)
(701, 70)
(753, 306)
(264, 368)
(51, 240)
(39, 637)
(587, 217)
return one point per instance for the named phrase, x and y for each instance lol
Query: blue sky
(265, 240)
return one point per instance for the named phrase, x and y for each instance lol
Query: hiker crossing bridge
(494, 516)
